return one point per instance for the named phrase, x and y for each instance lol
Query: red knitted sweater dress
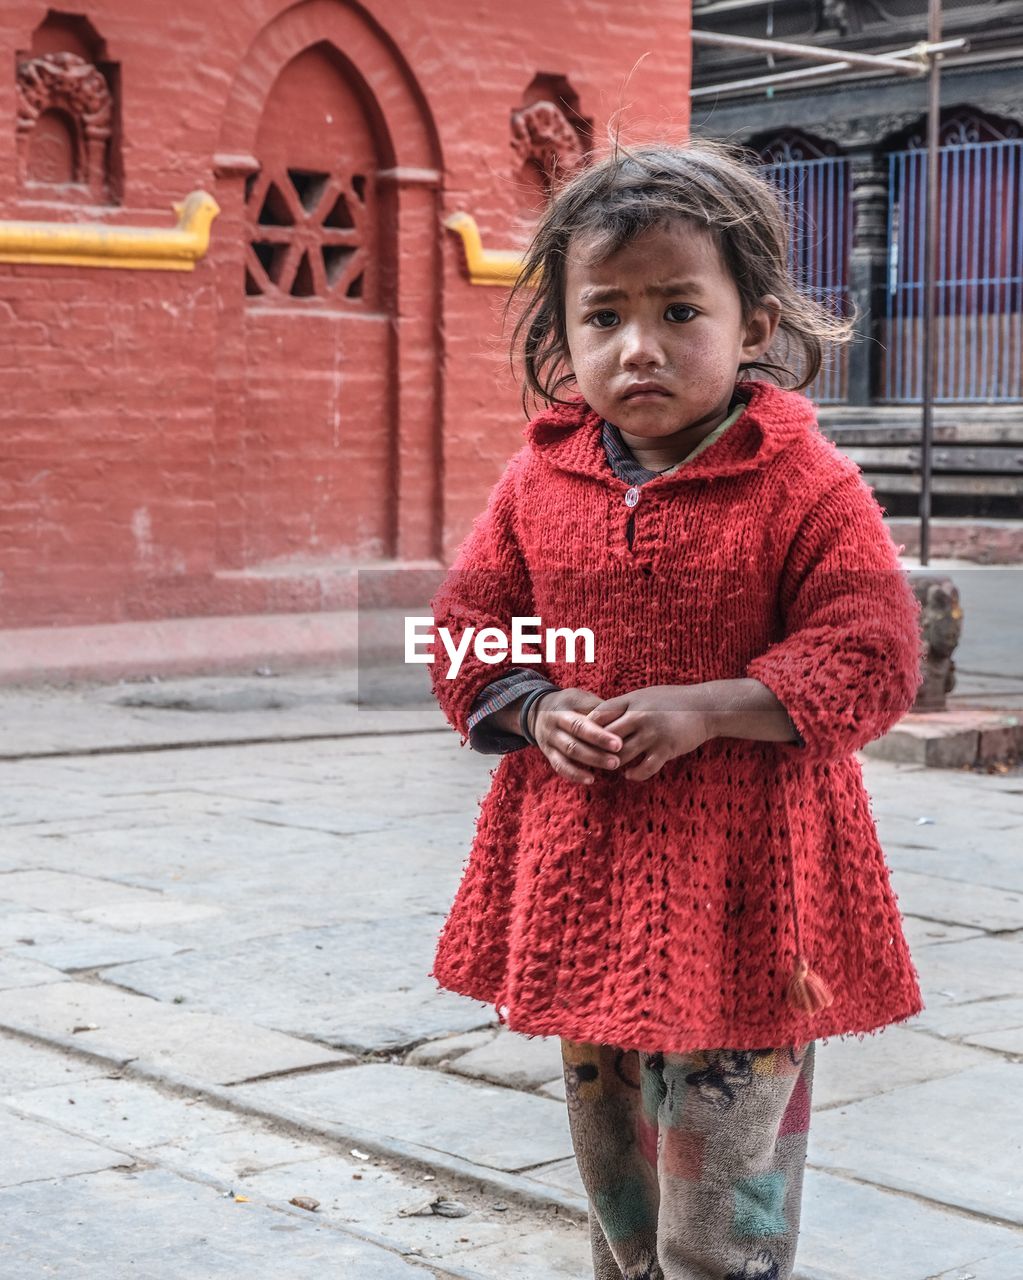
(666, 915)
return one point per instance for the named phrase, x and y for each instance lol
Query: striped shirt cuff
(488, 739)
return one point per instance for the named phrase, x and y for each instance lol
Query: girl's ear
(761, 327)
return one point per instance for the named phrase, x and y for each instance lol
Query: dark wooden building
(849, 151)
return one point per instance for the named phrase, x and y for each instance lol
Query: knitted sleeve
(847, 667)
(487, 586)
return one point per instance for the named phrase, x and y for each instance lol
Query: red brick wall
(169, 446)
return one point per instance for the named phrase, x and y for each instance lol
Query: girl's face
(656, 333)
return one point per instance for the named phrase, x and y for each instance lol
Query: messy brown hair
(621, 196)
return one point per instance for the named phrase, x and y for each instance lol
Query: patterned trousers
(693, 1163)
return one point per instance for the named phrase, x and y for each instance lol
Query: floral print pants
(693, 1163)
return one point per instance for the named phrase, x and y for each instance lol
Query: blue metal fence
(818, 194)
(979, 282)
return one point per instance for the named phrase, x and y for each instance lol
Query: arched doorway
(319, 303)
(327, 439)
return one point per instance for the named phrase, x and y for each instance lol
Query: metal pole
(805, 74)
(808, 52)
(929, 282)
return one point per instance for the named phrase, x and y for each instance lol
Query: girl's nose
(640, 348)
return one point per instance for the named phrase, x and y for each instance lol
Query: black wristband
(532, 696)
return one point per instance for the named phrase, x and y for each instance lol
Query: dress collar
(569, 437)
(623, 461)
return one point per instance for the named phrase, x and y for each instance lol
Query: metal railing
(818, 194)
(979, 284)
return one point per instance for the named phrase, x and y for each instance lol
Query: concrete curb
(518, 1187)
(208, 742)
(962, 737)
(178, 646)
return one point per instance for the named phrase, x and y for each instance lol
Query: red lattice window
(308, 235)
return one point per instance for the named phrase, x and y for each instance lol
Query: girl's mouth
(648, 392)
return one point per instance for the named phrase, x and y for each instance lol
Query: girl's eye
(603, 319)
(676, 307)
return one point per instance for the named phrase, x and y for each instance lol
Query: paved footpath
(218, 905)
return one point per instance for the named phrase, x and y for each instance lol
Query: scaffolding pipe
(803, 74)
(810, 52)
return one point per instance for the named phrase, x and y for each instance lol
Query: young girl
(676, 870)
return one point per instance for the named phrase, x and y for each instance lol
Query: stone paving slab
(954, 801)
(245, 922)
(563, 1174)
(554, 1089)
(123, 1113)
(69, 944)
(843, 1235)
(1005, 1265)
(1007, 1041)
(15, 971)
(850, 1070)
(33, 1151)
(986, 869)
(938, 898)
(208, 1047)
(238, 1154)
(153, 1225)
(149, 915)
(971, 854)
(338, 820)
(928, 933)
(970, 987)
(922, 814)
(489, 1126)
(31, 1066)
(364, 984)
(166, 838)
(437, 1053)
(66, 891)
(971, 1021)
(513, 1060)
(956, 1140)
(91, 717)
(373, 1196)
(852, 1232)
(538, 1255)
(375, 1199)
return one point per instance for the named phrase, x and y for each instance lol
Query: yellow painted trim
(94, 244)
(486, 266)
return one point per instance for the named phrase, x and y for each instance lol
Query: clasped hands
(579, 732)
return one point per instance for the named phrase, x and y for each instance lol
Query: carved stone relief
(543, 136)
(64, 120)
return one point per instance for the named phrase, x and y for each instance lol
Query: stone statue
(941, 622)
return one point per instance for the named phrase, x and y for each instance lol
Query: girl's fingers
(584, 730)
(646, 768)
(633, 748)
(630, 754)
(565, 768)
(582, 754)
(619, 724)
(605, 712)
